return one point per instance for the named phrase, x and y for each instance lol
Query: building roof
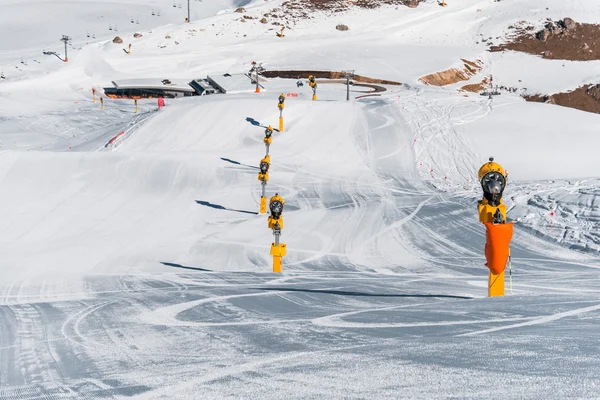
(233, 83)
(174, 84)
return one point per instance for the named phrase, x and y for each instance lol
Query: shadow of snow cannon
(492, 213)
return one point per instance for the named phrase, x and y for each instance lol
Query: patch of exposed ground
(453, 75)
(303, 74)
(342, 5)
(477, 87)
(585, 98)
(558, 40)
(292, 10)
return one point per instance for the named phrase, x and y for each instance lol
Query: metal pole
(348, 87)
(188, 11)
(277, 233)
(264, 186)
(510, 269)
(66, 57)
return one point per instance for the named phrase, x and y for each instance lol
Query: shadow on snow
(168, 264)
(362, 294)
(254, 122)
(218, 207)
(238, 163)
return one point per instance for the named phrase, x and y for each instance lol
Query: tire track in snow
(251, 366)
(70, 328)
(336, 320)
(168, 315)
(538, 321)
(27, 357)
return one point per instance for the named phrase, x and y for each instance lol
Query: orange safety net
(498, 237)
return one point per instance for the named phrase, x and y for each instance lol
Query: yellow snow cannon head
(491, 166)
(493, 181)
(269, 131)
(265, 163)
(276, 206)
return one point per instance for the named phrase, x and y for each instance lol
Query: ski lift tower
(254, 74)
(188, 18)
(65, 39)
(348, 74)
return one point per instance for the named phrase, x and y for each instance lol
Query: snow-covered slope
(142, 269)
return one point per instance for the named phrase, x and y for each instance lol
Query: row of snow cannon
(492, 213)
(275, 220)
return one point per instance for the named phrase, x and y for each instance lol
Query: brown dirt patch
(585, 98)
(292, 10)
(298, 74)
(476, 87)
(578, 42)
(453, 75)
(335, 5)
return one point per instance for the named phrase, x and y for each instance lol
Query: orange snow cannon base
(497, 251)
(498, 237)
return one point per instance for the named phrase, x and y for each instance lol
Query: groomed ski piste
(142, 270)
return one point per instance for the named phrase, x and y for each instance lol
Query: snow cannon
(268, 139)
(313, 84)
(275, 222)
(263, 177)
(254, 74)
(276, 207)
(281, 105)
(492, 213)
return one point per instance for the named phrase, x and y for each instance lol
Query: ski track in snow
(537, 321)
